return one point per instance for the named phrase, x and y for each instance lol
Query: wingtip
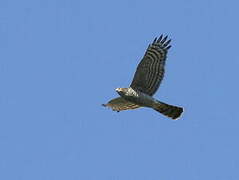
(166, 43)
(155, 39)
(164, 39)
(168, 47)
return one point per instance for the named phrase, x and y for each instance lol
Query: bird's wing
(150, 70)
(120, 104)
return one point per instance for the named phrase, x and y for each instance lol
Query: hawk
(146, 81)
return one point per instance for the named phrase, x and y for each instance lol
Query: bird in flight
(146, 81)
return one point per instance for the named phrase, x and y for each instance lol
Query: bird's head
(121, 91)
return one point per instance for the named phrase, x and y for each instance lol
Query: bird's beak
(117, 89)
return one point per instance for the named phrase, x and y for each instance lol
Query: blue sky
(61, 59)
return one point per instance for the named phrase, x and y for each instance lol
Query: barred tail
(168, 110)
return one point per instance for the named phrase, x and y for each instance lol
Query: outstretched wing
(150, 70)
(120, 104)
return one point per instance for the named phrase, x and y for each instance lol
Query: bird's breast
(140, 99)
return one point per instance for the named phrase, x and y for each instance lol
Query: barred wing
(120, 104)
(150, 70)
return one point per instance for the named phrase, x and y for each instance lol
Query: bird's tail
(173, 112)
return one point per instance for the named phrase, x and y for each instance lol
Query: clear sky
(61, 59)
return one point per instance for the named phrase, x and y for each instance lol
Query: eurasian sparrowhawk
(146, 81)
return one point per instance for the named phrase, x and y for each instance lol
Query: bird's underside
(146, 81)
